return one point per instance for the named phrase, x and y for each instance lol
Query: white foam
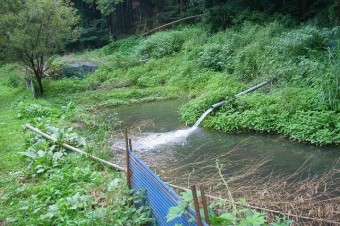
(149, 141)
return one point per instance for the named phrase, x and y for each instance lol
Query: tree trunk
(304, 7)
(147, 13)
(181, 7)
(39, 83)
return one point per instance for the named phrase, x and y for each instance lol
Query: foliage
(214, 57)
(64, 197)
(161, 44)
(35, 30)
(297, 57)
(31, 110)
(122, 45)
(93, 34)
(105, 6)
(280, 112)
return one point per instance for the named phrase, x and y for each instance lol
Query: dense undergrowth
(303, 103)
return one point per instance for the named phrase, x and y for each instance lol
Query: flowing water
(165, 143)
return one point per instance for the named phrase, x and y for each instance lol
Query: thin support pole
(204, 203)
(130, 145)
(32, 87)
(128, 172)
(197, 207)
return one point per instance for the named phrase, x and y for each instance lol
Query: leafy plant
(32, 110)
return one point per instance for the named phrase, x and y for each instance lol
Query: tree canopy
(32, 31)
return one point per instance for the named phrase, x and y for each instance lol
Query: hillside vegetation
(302, 103)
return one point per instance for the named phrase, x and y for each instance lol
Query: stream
(172, 149)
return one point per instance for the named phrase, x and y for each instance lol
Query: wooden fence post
(197, 207)
(204, 203)
(130, 145)
(128, 172)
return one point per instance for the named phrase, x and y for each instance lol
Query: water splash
(149, 141)
(154, 140)
(198, 122)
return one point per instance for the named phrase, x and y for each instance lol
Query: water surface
(165, 143)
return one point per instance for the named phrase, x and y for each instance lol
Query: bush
(122, 45)
(214, 57)
(297, 42)
(161, 44)
(191, 111)
(30, 111)
(290, 112)
(313, 126)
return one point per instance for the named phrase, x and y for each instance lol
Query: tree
(32, 31)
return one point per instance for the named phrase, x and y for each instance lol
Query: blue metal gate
(160, 196)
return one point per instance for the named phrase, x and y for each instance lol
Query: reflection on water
(163, 141)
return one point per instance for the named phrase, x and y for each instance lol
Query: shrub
(161, 44)
(191, 111)
(214, 57)
(298, 41)
(313, 126)
(122, 45)
(31, 110)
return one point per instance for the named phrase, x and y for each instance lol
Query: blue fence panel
(160, 196)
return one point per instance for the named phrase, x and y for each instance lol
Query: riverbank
(302, 104)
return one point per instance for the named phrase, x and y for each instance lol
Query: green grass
(43, 184)
(11, 131)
